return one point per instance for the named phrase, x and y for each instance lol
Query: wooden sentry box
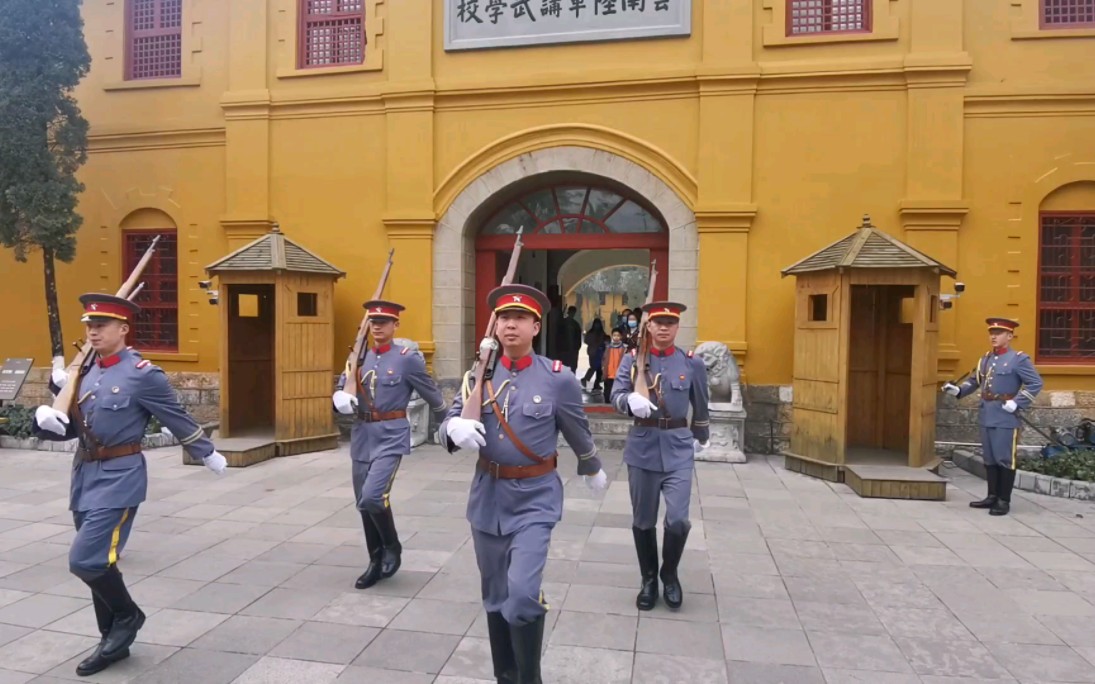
(865, 349)
(277, 341)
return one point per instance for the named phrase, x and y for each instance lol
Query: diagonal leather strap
(88, 441)
(525, 451)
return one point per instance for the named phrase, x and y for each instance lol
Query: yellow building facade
(966, 129)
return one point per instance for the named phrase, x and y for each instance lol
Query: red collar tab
(110, 360)
(668, 351)
(999, 350)
(382, 348)
(519, 364)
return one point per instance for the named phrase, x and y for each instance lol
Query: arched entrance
(563, 217)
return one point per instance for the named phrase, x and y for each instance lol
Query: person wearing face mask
(516, 495)
(381, 434)
(115, 397)
(1008, 383)
(631, 331)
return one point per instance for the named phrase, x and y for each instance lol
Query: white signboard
(478, 24)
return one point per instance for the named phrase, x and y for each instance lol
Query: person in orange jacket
(613, 355)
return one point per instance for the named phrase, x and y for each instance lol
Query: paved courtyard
(249, 578)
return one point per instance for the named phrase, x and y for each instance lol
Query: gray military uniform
(117, 396)
(387, 377)
(660, 457)
(511, 518)
(1000, 377)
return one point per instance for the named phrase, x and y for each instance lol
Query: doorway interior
(879, 372)
(251, 360)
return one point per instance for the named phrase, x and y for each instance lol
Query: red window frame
(826, 8)
(153, 52)
(1066, 289)
(347, 41)
(157, 326)
(1073, 14)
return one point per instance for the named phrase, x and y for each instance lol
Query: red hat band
(664, 312)
(106, 310)
(518, 301)
(383, 311)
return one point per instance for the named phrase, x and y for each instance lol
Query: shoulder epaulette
(557, 366)
(404, 351)
(143, 363)
(1019, 353)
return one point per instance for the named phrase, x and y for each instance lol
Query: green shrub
(1076, 465)
(20, 421)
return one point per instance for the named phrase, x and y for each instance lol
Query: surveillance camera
(213, 301)
(959, 287)
(945, 304)
(204, 284)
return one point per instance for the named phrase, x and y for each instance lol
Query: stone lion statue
(723, 375)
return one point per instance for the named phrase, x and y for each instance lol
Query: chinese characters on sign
(477, 24)
(12, 376)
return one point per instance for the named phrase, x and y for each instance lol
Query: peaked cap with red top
(100, 308)
(664, 309)
(997, 323)
(378, 308)
(518, 298)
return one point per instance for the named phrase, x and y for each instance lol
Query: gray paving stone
(1009, 628)
(666, 669)
(246, 634)
(602, 600)
(951, 658)
(772, 646)
(470, 661)
(217, 597)
(40, 610)
(439, 617)
(923, 624)
(13, 677)
(270, 670)
(1072, 630)
(1051, 603)
(9, 633)
(357, 675)
(595, 631)
(765, 673)
(838, 618)
(142, 658)
(197, 665)
(838, 676)
(1043, 663)
(858, 652)
(41, 651)
(412, 651)
(169, 627)
(361, 609)
(576, 664)
(774, 613)
(296, 604)
(37, 578)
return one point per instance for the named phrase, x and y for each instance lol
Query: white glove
(345, 402)
(951, 389)
(698, 446)
(640, 406)
(1010, 406)
(59, 377)
(466, 433)
(49, 418)
(216, 462)
(596, 482)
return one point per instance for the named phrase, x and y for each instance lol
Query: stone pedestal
(727, 434)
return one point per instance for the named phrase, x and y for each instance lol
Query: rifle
(357, 351)
(483, 368)
(641, 387)
(129, 289)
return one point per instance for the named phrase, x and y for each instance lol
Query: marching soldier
(516, 495)
(113, 402)
(1008, 383)
(381, 435)
(661, 448)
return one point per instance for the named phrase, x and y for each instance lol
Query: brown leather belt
(377, 416)
(107, 453)
(989, 396)
(510, 472)
(662, 423)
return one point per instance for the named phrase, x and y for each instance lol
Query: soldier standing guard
(111, 407)
(381, 435)
(661, 448)
(516, 495)
(1008, 383)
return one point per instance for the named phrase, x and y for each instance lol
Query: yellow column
(933, 210)
(724, 209)
(246, 106)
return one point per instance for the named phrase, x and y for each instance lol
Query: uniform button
(92, 396)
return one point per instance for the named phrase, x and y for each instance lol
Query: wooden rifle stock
(641, 387)
(363, 330)
(129, 290)
(488, 347)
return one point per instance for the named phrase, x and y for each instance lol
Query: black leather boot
(501, 649)
(374, 546)
(391, 548)
(95, 662)
(992, 478)
(528, 641)
(1003, 500)
(128, 618)
(672, 550)
(646, 547)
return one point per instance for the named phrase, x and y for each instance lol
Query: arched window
(156, 328)
(572, 209)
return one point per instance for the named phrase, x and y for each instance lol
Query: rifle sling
(525, 451)
(88, 440)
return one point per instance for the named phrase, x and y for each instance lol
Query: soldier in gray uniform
(381, 435)
(116, 396)
(516, 494)
(661, 448)
(1008, 383)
